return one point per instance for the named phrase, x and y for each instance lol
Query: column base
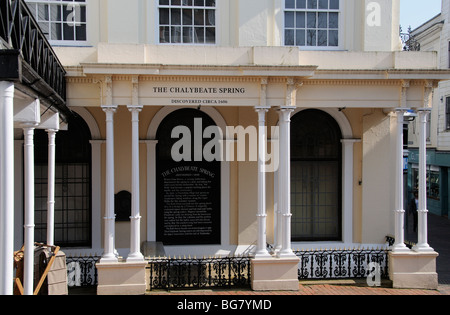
(423, 248)
(136, 257)
(121, 278)
(109, 259)
(413, 270)
(400, 248)
(275, 274)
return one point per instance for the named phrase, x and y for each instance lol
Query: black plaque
(188, 203)
(188, 192)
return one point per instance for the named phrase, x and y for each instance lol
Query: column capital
(405, 83)
(262, 109)
(285, 113)
(109, 108)
(135, 108)
(286, 108)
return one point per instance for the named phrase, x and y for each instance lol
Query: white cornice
(198, 70)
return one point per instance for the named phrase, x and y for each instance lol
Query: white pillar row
(29, 210)
(6, 187)
(135, 254)
(422, 243)
(109, 254)
(399, 245)
(51, 187)
(261, 251)
(285, 181)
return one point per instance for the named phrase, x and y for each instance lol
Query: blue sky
(416, 12)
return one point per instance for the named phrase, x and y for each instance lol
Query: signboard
(188, 203)
(200, 94)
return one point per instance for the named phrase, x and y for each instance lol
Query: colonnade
(26, 115)
(30, 120)
(422, 245)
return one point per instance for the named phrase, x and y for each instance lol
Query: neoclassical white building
(328, 74)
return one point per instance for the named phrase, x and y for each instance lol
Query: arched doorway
(188, 191)
(316, 177)
(73, 200)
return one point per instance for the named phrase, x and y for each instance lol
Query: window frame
(447, 113)
(193, 7)
(62, 42)
(306, 10)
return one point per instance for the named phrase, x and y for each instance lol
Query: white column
(135, 254)
(29, 211)
(6, 187)
(399, 245)
(51, 187)
(110, 217)
(422, 244)
(285, 173)
(261, 251)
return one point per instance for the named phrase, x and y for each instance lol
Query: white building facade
(171, 100)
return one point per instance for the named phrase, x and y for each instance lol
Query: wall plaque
(188, 203)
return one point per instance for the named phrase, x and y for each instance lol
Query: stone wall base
(275, 274)
(412, 270)
(121, 278)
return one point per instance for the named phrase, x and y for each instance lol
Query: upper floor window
(62, 21)
(447, 113)
(187, 21)
(311, 23)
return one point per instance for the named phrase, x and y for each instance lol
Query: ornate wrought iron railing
(342, 263)
(199, 273)
(167, 273)
(40, 67)
(81, 271)
(409, 41)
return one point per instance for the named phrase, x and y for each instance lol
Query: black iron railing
(167, 273)
(198, 273)
(41, 68)
(409, 41)
(342, 263)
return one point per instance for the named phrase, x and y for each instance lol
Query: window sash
(187, 22)
(63, 22)
(311, 26)
(447, 113)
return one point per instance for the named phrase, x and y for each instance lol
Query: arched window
(72, 185)
(316, 173)
(188, 192)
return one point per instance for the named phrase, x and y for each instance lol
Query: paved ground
(313, 289)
